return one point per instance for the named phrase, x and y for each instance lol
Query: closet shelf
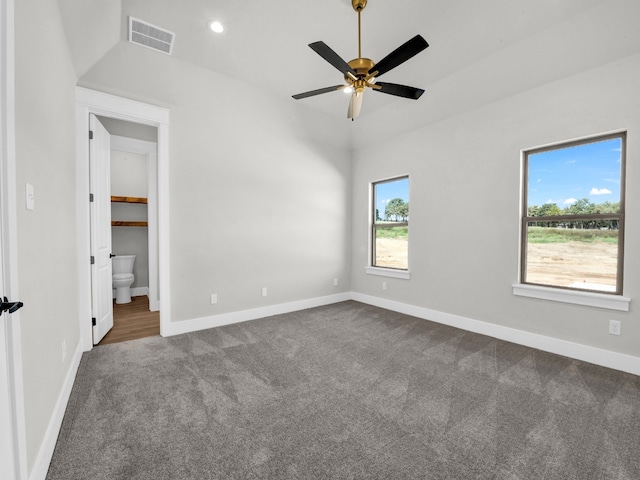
(115, 199)
(120, 223)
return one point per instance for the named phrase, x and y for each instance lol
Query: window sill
(591, 299)
(388, 272)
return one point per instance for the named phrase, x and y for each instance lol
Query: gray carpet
(340, 392)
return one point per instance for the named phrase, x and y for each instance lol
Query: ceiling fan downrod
(360, 65)
(358, 6)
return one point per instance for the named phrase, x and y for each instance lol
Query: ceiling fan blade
(400, 55)
(318, 92)
(332, 57)
(399, 90)
(354, 105)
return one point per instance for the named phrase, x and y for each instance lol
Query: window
(390, 224)
(573, 215)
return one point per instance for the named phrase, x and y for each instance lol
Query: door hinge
(93, 321)
(93, 259)
(91, 197)
(90, 135)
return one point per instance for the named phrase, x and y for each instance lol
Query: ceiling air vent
(150, 36)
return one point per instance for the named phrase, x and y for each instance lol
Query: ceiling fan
(360, 73)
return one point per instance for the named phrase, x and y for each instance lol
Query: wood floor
(133, 320)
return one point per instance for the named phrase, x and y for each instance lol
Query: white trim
(213, 321)
(140, 292)
(164, 233)
(591, 299)
(137, 292)
(152, 229)
(149, 149)
(98, 103)
(8, 229)
(45, 454)
(598, 356)
(388, 272)
(122, 108)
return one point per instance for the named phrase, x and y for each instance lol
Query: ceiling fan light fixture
(216, 26)
(348, 90)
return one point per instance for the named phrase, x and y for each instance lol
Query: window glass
(390, 224)
(573, 218)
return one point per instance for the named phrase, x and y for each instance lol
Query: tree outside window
(390, 224)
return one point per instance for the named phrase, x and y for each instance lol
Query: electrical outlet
(264, 291)
(384, 285)
(64, 350)
(335, 282)
(214, 298)
(614, 327)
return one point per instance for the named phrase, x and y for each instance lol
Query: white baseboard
(140, 292)
(154, 304)
(41, 465)
(136, 292)
(186, 326)
(597, 356)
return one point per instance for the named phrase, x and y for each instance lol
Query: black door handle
(7, 306)
(111, 255)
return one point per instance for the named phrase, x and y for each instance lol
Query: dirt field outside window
(557, 264)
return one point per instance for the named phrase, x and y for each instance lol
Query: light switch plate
(30, 197)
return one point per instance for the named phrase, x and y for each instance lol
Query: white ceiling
(479, 50)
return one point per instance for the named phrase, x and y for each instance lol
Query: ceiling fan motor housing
(361, 65)
(358, 5)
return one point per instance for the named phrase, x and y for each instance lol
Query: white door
(9, 456)
(100, 185)
(7, 459)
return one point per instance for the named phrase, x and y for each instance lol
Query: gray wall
(465, 195)
(45, 157)
(129, 129)
(253, 210)
(260, 189)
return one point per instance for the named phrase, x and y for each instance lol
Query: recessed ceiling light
(216, 26)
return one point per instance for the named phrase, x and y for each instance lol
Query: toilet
(122, 278)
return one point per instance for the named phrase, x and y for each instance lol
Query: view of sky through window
(563, 176)
(387, 191)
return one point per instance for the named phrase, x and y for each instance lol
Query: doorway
(121, 111)
(133, 190)
(132, 321)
